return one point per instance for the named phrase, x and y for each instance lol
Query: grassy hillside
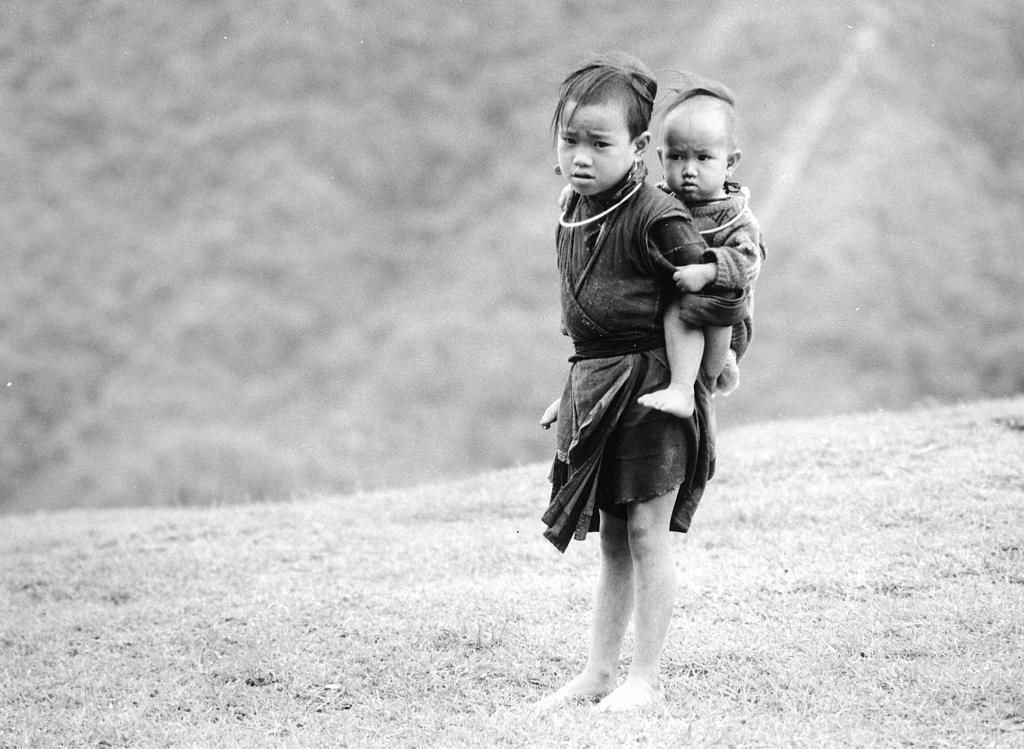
(254, 250)
(849, 582)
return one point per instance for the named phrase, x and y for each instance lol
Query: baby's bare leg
(717, 340)
(613, 605)
(684, 347)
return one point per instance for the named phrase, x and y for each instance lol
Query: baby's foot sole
(675, 401)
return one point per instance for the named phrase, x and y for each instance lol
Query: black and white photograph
(582, 373)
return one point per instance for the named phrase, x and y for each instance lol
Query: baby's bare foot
(634, 693)
(583, 687)
(675, 399)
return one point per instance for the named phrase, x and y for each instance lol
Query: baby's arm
(734, 265)
(738, 259)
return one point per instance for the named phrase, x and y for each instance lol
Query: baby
(710, 327)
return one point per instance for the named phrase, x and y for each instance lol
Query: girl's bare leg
(613, 605)
(655, 588)
(684, 348)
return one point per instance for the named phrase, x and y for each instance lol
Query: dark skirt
(634, 453)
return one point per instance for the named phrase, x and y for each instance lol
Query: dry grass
(851, 581)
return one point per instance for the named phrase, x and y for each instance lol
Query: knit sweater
(733, 236)
(735, 246)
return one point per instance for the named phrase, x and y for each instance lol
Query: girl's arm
(678, 244)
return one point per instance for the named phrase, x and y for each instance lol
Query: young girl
(634, 473)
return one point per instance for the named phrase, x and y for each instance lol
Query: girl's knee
(615, 542)
(647, 539)
(648, 526)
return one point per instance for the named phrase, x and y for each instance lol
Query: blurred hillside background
(253, 250)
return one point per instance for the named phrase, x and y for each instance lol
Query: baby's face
(595, 150)
(696, 152)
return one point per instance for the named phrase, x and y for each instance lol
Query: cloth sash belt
(606, 347)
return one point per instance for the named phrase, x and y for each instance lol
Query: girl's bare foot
(632, 694)
(675, 399)
(583, 687)
(550, 414)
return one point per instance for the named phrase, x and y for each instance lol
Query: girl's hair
(614, 77)
(705, 87)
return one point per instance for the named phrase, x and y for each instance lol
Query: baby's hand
(563, 197)
(694, 277)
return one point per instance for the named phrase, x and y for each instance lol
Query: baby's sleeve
(738, 259)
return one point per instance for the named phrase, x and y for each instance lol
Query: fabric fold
(573, 494)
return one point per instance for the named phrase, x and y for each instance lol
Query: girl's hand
(550, 415)
(694, 277)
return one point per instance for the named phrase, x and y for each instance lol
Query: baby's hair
(617, 76)
(711, 89)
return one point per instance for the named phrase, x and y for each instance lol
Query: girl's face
(695, 152)
(595, 150)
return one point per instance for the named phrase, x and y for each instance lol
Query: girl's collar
(611, 199)
(636, 175)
